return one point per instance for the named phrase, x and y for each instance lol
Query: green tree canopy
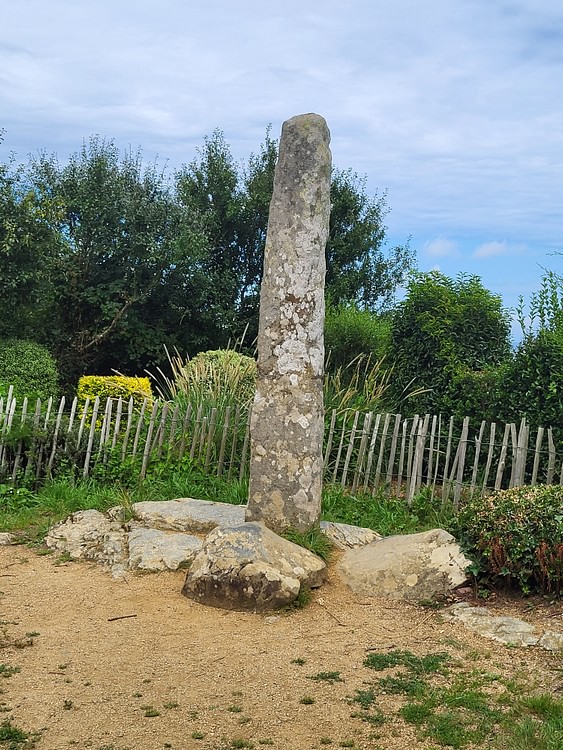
(443, 327)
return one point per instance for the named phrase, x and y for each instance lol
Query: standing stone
(287, 425)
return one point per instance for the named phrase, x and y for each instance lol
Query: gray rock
(90, 535)
(152, 549)
(287, 424)
(248, 567)
(6, 538)
(187, 514)
(345, 536)
(413, 567)
(551, 641)
(508, 630)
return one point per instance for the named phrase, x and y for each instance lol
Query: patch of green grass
(416, 664)
(314, 540)
(14, 738)
(459, 708)
(7, 671)
(387, 515)
(198, 735)
(330, 677)
(235, 709)
(402, 685)
(307, 700)
(241, 744)
(325, 741)
(300, 662)
(150, 711)
(171, 704)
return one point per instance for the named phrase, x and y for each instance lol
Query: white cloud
(441, 247)
(496, 248)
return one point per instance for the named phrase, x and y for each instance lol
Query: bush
(29, 367)
(215, 378)
(517, 534)
(113, 386)
(350, 332)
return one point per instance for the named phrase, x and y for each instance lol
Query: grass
(330, 677)
(459, 708)
(14, 738)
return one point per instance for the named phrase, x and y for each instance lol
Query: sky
(454, 108)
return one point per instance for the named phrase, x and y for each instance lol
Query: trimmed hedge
(113, 386)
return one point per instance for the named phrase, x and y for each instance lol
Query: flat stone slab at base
(187, 514)
(508, 630)
(6, 538)
(152, 549)
(249, 567)
(413, 567)
(90, 535)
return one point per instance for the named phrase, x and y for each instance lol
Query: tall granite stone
(287, 425)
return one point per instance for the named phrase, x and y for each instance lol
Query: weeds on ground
(461, 708)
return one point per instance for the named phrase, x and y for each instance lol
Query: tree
(234, 201)
(122, 239)
(444, 328)
(360, 269)
(28, 239)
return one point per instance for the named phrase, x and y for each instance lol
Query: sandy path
(87, 680)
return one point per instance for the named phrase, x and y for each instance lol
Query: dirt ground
(130, 663)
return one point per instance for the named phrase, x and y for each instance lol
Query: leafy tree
(27, 246)
(443, 328)
(234, 202)
(123, 239)
(360, 269)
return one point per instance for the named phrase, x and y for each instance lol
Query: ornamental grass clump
(517, 534)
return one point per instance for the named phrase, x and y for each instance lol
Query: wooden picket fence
(362, 451)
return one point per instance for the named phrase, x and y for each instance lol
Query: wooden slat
(148, 440)
(478, 443)
(393, 449)
(139, 427)
(431, 450)
(551, 460)
(382, 448)
(537, 456)
(371, 450)
(91, 434)
(56, 435)
(350, 449)
(461, 462)
(329, 440)
(362, 450)
(222, 448)
(402, 457)
(340, 447)
(445, 487)
(502, 460)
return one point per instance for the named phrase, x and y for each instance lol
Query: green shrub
(350, 332)
(29, 367)
(113, 386)
(517, 534)
(216, 378)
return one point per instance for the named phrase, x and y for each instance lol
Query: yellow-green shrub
(114, 386)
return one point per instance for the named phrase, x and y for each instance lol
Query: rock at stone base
(90, 535)
(187, 514)
(152, 550)
(551, 641)
(345, 536)
(507, 630)
(413, 567)
(248, 567)
(6, 538)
